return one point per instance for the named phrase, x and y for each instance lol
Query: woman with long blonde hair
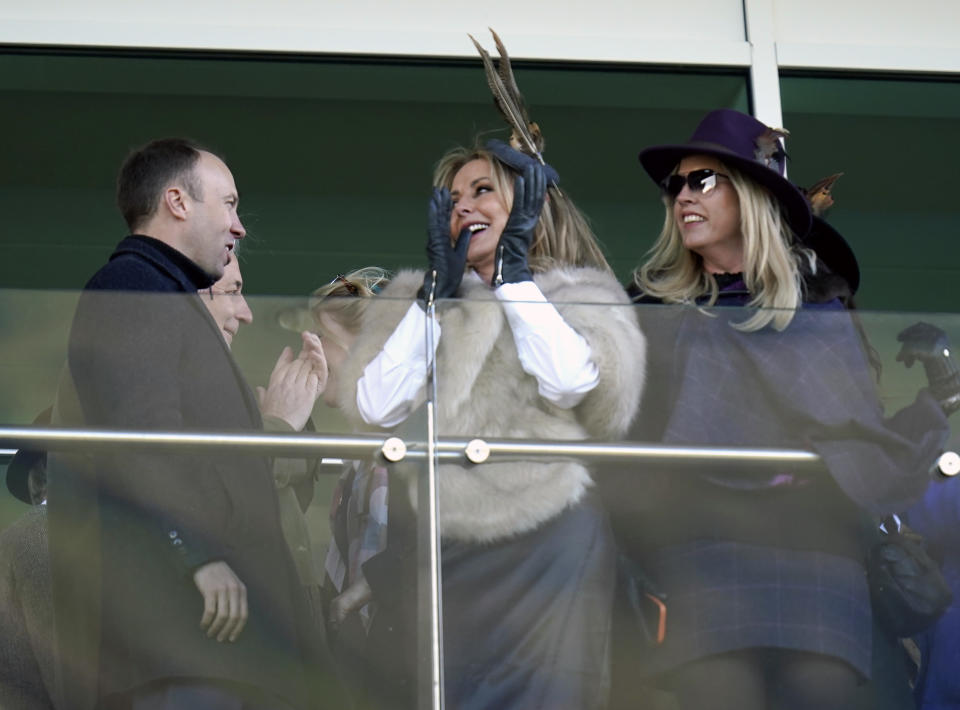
(762, 566)
(522, 351)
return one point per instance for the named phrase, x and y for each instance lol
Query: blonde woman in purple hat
(762, 567)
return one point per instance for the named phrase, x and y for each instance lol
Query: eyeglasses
(220, 292)
(702, 181)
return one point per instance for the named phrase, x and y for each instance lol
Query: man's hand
(295, 383)
(224, 601)
(352, 598)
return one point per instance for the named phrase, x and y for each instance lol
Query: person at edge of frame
(27, 676)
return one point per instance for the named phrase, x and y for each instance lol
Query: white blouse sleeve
(392, 381)
(549, 348)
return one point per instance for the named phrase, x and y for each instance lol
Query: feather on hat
(829, 245)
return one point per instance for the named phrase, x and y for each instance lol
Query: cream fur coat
(482, 391)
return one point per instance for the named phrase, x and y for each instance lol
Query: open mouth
(477, 227)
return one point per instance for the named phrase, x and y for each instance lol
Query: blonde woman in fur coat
(525, 352)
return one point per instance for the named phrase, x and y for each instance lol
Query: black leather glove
(929, 344)
(447, 262)
(529, 192)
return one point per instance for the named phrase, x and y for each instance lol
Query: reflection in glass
(652, 502)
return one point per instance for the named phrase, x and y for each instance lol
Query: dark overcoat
(144, 353)
(26, 615)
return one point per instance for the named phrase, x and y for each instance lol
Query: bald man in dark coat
(179, 558)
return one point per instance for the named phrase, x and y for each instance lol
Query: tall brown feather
(509, 101)
(505, 69)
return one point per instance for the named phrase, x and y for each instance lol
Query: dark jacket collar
(821, 288)
(175, 263)
(733, 291)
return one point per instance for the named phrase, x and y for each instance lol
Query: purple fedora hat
(743, 143)
(834, 251)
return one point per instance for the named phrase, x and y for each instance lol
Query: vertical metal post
(429, 592)
(760, 30)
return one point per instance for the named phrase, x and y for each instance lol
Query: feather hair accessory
(770, 150)
(830, 246)
(525, 135)
(819, 194)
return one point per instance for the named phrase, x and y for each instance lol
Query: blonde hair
(562, 237)
(772, 261)
(345, 299)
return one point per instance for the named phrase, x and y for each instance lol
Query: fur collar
(483, 391)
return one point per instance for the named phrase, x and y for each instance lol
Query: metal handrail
(285, 444)
(393, 449)
(358, 445)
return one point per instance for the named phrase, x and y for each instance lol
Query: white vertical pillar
(764, 75)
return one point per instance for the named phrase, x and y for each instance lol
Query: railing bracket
(393, 449)
(477, 451)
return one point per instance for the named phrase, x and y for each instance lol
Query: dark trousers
(184, 694)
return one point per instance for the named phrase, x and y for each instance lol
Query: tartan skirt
(727, 596)
(527, 621)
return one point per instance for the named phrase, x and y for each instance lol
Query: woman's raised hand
(529, 192)
(447, 262)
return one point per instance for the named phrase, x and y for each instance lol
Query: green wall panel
(333, 158)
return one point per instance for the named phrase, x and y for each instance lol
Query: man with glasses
(285, 404)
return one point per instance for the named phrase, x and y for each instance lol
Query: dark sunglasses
(697, 180)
